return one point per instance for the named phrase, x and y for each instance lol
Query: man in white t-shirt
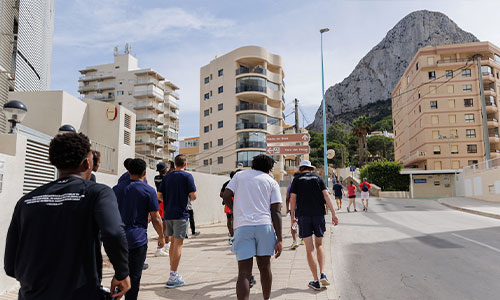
(256, 210)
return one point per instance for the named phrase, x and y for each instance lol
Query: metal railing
(240, 126)
(256, 69)
(482, 166)
(102, 98)
(251, 106)
(447, 61)
(95, 77)
(251, 144)
(250, 88)
(107, 155)
(149, 104)
(142, 127)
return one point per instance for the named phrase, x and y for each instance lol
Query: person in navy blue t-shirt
(174, 191)
(137, 201)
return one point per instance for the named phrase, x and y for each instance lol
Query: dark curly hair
(263, 163)
(66, 151)
(136, 166)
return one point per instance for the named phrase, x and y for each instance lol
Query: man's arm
(158, 226)
(11, 245)
(276, 218)
(329, 202)
(192, 196)
(293, 200)
(228, 198)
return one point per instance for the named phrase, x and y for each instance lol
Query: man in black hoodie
(51, 243)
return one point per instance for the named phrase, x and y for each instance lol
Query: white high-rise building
(26, 35)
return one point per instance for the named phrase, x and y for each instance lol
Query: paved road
(416, 249)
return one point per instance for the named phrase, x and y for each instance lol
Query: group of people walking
(54, 240)
(339, 192)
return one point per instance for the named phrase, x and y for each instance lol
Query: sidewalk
(474, 206)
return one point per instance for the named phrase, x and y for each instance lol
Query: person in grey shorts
(177, 187)
(257, 223)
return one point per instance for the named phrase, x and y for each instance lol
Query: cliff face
(379, 71)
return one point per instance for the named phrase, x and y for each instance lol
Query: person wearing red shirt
(365, 193)
(351, 192)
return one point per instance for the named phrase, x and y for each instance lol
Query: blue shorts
(311, 224)
(250, 241)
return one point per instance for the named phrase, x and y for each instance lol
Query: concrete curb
(471, 211)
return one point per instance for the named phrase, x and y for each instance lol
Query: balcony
(171, 135)
(246, 70)
(149, 105)
(495, 154)
(150, 116)
(150, 141)
(174, 94)
(172, 114)
(143, 81)
(170, 147)
(149, 93)
(241, 126)
(452, 61)
(174, 125)
(172, 104)
(491, 107)
(96, 77)
(151, 153)
(415, 157)
(251, 88)
(494, 139)
(251, 106)
(492, 123)
(102, 97)
(250, 144)
(150, 128)
(96, 87)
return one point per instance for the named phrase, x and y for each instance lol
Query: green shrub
(386, 175)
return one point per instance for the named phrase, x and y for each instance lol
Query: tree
(381, 147)
(383, 125)
(362, 127)
(386, 175)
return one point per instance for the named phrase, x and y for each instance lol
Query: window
(430, 60)
(449, 73)
(220, 160)
(220, 72)
(418, 94)
(469, 118)
(207, 80)
(472, 162)
(210, 161)
(467, 88)
(470, 133)
(451, 103)
(210, 126)
(452, 119)
(437, 150)
(205, 162)
(432, 75)
(454, 149)
(210, 110)
(220, 142)
(437, 166)
(210, 93)
(468, 102)
(220, 89)
(450, 88)
(419, 109)
(220, 106)
(435, 134)
(453, 133)
(205, 129)
(207, 96)
(435, 120)
(119, 93)
(434, 104)
(472, 148)
(210, 76)
(206, 112)
(205, 146)
(416, 66)
(220, 124)
(273, 86)
(210, 144)
(466, 73)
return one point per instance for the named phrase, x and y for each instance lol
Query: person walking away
(137, 201)
(175, 190)
(51, 246)
(256, 211)
(310, 194)
(365, 193)
(294, 223)
(192, 224)
(229, 213)
(339, 192)
(162, 169)
(351, 193)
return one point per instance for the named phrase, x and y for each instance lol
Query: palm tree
(361, 127)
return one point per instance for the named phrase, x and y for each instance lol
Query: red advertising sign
(282, 138)
(275, 150)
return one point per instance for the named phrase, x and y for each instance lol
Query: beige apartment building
(144, 91)
(437, 107)
(241, 101)
(191, 148)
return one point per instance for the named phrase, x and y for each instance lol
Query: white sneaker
(160, 252)
(167, 247)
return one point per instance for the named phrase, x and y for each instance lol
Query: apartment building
(27, 29)
(144, 91)
(191, 148)
(241, 101)
(437, 107)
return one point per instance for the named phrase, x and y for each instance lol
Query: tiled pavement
(210, 270)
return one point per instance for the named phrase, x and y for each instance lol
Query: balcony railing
(95, 77)
(149, 93)
(149, 104)
(86, 88)
(251, 106)
(172, 135)
(447, 61)
(144, 140)
(142, 127)
(172, 114)
(493, 135)
(487, 74)
(250, 88)
(150, 116)
(102, 97)
(251, 144)
(415, 156)
(492, 120)
(240, 126)
(256, 69)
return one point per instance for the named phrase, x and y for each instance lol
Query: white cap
(306, 163)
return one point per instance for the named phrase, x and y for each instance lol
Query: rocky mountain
(379, 71)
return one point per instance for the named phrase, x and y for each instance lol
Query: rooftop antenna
(116, 51)
(127, 48)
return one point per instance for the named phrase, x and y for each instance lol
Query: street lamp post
(325, 161)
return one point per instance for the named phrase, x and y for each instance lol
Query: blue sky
(176, 38)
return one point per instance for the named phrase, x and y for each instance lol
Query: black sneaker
(324, 281)
(355, 210)
(252, 281)
(314, 285)
(145, 267)
(196, 233)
